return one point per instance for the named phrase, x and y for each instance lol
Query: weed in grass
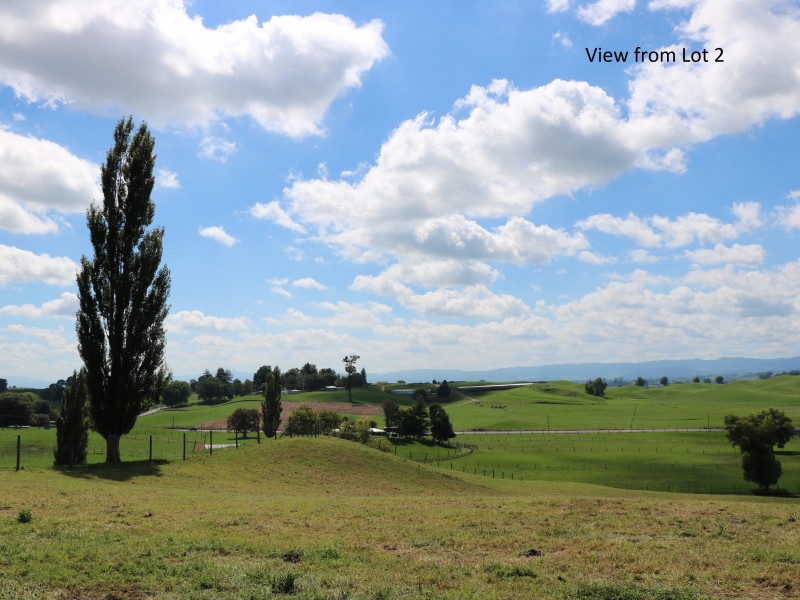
(283, 583)
(25, 516)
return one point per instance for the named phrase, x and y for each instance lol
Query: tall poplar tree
(123, 292)
(72, 423)
(271, 404)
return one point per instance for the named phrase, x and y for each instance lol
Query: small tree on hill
(696, 379)
(443, 391)
(302, 421)
(350, 368)
(596, 387)
(243, 420)
(664, 381)
(176, 393)
(755, 435)
(441, 429)
(72, 424)
(328, 421)
(3, 385)
(640, 381)
(271, 404)
(391, 414)
(719, 379)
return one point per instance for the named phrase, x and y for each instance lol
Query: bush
(25, 516)
(15, 409)
(596, 387)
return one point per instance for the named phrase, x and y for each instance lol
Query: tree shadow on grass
(774, 493)
(122, 472)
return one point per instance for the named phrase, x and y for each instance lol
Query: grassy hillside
(325, 518)
(565, 405)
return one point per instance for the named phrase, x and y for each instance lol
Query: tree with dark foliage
(756, 435)
(271, 404)
(72, 424)
(123, 292)
(243, 420)
(441, 429)
(596, 387)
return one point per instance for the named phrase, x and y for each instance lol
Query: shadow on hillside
(775, 493)
(124, 472)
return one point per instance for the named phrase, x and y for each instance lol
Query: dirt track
(363, 411)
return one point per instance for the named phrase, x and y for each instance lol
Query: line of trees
(417, 420)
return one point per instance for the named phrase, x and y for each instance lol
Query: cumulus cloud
(676, 232)
(601, 11)
(218, 234)
(23, 266)
(272, 211)
(309, 283)
(65, 305)
(167, 179)
(186, 321)
(675, 103)
(215, 148)
(750, 255)
(159, 61)
(789, 216)
(38, 176)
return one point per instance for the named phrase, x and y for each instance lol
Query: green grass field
(564, 405)
(326, 518)
(585, 516)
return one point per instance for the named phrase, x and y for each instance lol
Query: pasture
(532, 515)
(326, 518)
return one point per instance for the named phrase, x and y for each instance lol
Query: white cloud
(281, 291)
(218, 234)
(167, 179)
(593, 258)
(214, 148)
(64, 306)
(309, 283)
(160, 62)
(186, 321)
(750, 255)
(681, 231)
(557, 5)
(642, 256)
(563, 39)
(632, 227)
(470, 301)
(22, 266)
(601, 11)
(272, 211)
(789, 216)
(676, 103)
(37, 176)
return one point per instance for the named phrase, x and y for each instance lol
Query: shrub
(25, 516)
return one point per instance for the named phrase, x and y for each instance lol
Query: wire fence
(32, 448)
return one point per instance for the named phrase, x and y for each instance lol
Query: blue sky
(425, 184)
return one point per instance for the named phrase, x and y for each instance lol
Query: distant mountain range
(729, 368)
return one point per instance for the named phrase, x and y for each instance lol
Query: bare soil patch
(362, 411)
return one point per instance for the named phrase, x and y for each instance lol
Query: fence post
(151, 450)
(236, 438)
(184, 445)
(258, 436)
(19, 447)
(210, 443)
